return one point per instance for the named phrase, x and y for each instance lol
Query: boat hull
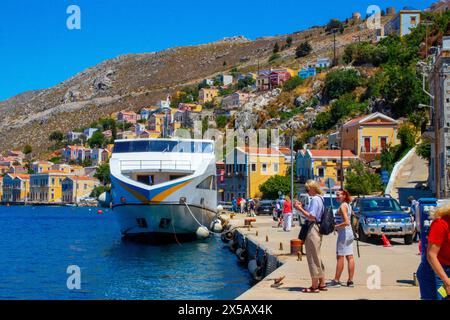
(161, 223)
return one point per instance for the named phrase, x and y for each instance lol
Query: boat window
(145, 179)
(163, 146)
(208, 184)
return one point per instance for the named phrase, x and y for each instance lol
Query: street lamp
(340, 128)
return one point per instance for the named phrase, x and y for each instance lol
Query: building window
(275, 167)
(413, 20)
(264, 167)
(321, 172)
(383, 143)
(253, 167)
(367, 144)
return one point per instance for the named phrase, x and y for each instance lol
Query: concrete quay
(395, 266)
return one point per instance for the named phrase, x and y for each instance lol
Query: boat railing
(159, 165)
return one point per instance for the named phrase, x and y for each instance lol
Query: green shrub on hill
(303, 50)
(340, 82)
(292, 83)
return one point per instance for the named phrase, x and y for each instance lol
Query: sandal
(323, 288)
(311, 290)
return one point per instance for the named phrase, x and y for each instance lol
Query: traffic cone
(386, 242)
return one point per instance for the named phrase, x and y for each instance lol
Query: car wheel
(408, 239)
(361, 235)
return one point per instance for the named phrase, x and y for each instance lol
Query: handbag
(304, 230)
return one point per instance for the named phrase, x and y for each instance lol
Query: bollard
(256, 233)
(281, 246)
(295, 246)
(248, 221)
(267, 238)
(415, 282)
(299, 256)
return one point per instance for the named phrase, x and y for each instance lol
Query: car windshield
(327, 201)
(380, 205)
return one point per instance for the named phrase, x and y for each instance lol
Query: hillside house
(403, 22)
(207, 94)
(235, 100)
(368, 135)
(127, 116)
(277, 78)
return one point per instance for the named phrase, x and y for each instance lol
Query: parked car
(328, 200)
(373, 216)
(265, 207)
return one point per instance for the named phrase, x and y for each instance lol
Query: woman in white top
(344, 245)
(313, 242)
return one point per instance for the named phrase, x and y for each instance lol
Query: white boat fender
(202, 232)
(216, 226)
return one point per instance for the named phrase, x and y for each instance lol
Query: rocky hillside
(134, 81)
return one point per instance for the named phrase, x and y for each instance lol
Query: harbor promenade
(395, 266)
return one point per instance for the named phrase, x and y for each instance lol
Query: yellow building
(75, 188)
(192, 107)
(320, 165)
(148, 134)
(126, 135)
(368, 135)
(247, 168)
(16, 187)
(47, 187)
(207, 94)
(41, 166)
(64, 168)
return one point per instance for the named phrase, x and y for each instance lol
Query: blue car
(373, 216)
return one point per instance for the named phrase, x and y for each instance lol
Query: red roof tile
(253, 150)
(331, 153)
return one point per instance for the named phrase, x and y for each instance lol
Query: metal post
(334, 46)
(292, 167)
(342, 157)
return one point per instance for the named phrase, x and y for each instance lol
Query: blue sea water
(37, 244)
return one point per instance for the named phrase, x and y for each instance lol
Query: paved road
(413, 174)
(395, 265)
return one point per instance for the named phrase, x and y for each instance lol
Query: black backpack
(327, 224)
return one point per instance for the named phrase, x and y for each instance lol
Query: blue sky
(38, 51)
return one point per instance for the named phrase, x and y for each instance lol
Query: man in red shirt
(438, 253)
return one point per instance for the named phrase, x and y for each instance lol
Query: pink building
(127, 116)
(277, 78)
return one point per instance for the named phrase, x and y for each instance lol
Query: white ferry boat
(163, 190)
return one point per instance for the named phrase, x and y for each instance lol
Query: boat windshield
(163, 146)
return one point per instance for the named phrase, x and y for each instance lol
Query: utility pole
(426, 24)
(334, 45)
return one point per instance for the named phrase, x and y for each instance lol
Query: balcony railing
(370, 150)
(155, 165)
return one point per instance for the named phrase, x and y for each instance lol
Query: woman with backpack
(344, 245)
(313, 241)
